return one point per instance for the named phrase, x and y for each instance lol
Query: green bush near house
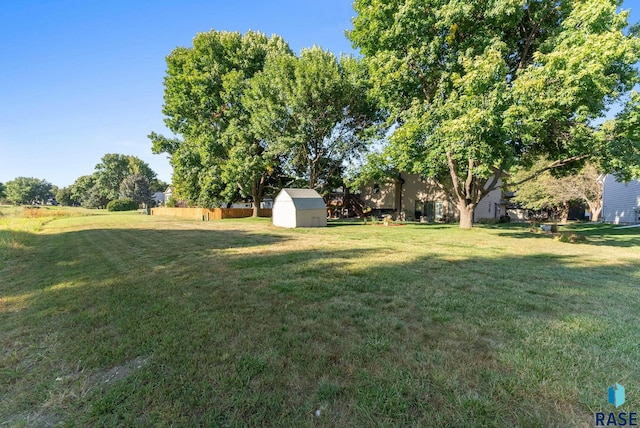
(122, 205)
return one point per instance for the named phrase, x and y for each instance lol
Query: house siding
(489, 207)
(379, 196)
(416, 192)
(620, 201)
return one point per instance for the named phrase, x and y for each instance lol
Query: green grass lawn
(133, 320)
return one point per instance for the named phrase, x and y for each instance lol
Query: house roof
(303, 199)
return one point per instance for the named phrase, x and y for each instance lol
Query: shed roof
(303, 199)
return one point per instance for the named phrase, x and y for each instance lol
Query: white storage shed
(299, 208)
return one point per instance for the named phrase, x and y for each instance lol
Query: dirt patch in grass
(43, 419)
(120, 372)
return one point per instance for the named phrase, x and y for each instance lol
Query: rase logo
(616, 395)
(620, 419)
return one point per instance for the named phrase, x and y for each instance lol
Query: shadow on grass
(360, 222)
(92, 254)
(595, 234)
(245, 328)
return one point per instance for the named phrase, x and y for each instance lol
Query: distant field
(132, 320)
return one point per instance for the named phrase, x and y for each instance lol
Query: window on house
(433, 210)
(429, 210)
(439, 210)
(418, 210)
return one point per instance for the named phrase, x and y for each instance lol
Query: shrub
(122, 205)
(505, 219)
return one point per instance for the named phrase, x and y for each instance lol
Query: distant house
(299, 208)
(241, 205)
(167, 194)
(413, 197)
(264, 204)
(620, 201)
(158, 198)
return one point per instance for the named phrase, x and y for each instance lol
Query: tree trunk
(466, 214)
(313, 174)
(256, 193)
(596, 209)
(562, 213)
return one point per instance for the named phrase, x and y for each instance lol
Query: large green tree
(618, 139)
(85, 191)
(28, 190)
(475, 88)
(97, 189)
(65, 196)
(216, 155)
(136, 187)
(315, 110)
(549, 191)
(114, 168)
(2, 191)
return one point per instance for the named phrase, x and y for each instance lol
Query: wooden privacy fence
(209, 213)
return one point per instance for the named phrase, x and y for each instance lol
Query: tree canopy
(85, 191)
(216, 155)
(545, 191)
(314, 110)
(97, 189)
(247, 114)
(114, 168)
(136, 187)
(65, 196)
(28, 190)
(475, 88)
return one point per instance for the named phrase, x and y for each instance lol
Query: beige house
(412, 197)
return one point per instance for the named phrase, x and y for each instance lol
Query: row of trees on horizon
(544, 193)
(473, 96)
(115, 177)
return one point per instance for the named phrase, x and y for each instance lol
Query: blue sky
(80, 79)
(83, 78)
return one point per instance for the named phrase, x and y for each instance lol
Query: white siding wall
(620, 201)
(284, 213)
(311, 218)
(299, 208)
(489, 206)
